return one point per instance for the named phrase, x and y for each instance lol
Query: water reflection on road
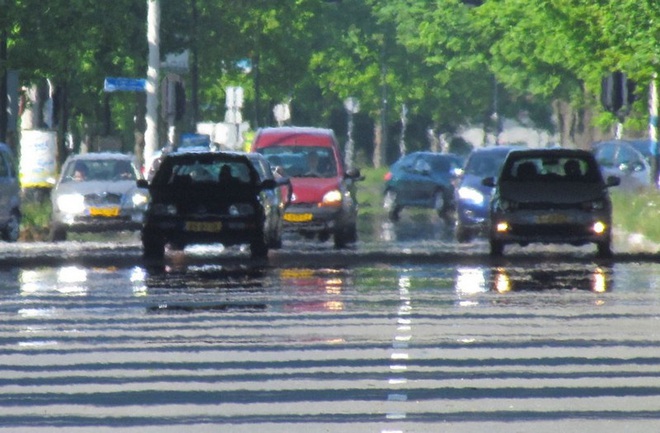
(402, 334)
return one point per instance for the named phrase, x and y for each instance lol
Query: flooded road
(397, 334)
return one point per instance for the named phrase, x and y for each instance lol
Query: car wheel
(258, 248)
(496, 248)
(57, 233)
(393, 214)
(153, 246)
(463, 235)
(604, 249)
(12, 230)
(439, 203)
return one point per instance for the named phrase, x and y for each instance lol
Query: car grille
(551, 230)
(102, 199)
(548, 206)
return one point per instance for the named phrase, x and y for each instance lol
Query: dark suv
(204, 197)
(323, 201)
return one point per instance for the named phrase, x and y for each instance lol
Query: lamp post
(352, 106)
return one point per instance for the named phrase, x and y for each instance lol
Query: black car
(550, 196)
(422, 180)
(205, 197)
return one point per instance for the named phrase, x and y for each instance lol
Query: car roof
(101, 155)
(288, 134)
(195, 153)
(555, 151)
(643, 146)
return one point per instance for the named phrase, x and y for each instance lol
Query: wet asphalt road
(401, 333)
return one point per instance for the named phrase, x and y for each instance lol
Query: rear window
(552, 169)
(178, 172)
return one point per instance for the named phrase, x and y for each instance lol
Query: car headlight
(332, 198)
(241, 209)
(471, 195)
(71, 203)
(164, 209)
(139, 199)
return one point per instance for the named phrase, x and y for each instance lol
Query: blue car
(472, 197)
(422, 180)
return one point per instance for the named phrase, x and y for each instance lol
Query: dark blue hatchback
(472, 197)
(422, 180)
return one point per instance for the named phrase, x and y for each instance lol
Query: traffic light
(617, 93)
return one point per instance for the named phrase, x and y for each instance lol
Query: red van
(323, 202)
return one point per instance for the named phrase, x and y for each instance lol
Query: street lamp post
(352, 106)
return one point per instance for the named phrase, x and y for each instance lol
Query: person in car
(313, 165)
(80, 172)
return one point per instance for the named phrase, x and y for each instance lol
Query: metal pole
(153, 69)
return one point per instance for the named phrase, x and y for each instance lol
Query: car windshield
(302, 161)
(182, 172)
(108, 170)
(552, 169)
(485, 164)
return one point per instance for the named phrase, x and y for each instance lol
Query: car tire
(604, 249)
(57, 233)
(463, 235)
(153, 246)
(496, 248)
(12, 230)
(258, 248)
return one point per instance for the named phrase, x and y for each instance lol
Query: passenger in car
(572, 169)
(527, 171)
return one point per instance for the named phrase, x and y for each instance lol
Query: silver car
(97, 192)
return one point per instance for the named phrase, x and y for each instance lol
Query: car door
(419, 182)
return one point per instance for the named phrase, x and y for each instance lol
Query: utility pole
(153, 69)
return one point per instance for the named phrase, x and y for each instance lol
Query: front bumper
(308, 218)
(126, 220)
(183, 231)
(548, 227)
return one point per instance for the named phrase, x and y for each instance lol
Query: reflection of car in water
(97, 192)
(314, 289)
(596, 279)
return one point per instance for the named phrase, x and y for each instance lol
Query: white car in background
(97, 192)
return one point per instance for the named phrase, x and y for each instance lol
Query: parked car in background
(96, 192)
(623, 159)
(422, 180)
(550, 196)
(10, 196)
(323, 199)
(205, 197)
(472, 196)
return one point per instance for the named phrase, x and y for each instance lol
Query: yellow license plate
(203, 226)
(552, 219)
(104, 211)
(297, 217)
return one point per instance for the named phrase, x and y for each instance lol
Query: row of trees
(451, 62)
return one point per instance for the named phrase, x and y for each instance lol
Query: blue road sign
(114, 84)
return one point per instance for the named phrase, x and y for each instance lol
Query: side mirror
(269, 184)
(613, 181)
(354, 173)
(142, 183)
(488, 181)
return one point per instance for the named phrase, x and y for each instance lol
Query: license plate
(297, 217)
(203, 226)
(552, 219)
(108, 212)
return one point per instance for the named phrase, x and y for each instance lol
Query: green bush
(637, 212)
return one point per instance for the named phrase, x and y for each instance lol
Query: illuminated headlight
(332, 198)
(71, 203)
(139, 199)
(471, 195)
(502, 227)
(164, 209)
(241, 209)
(599, 227)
